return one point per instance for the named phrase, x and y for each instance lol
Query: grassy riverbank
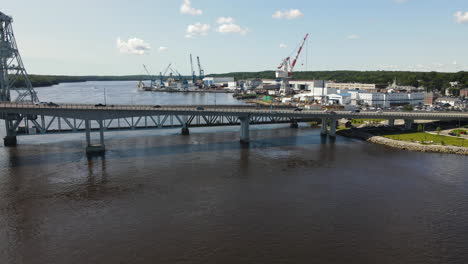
(413, 141)
(428, 139)
(368, 121)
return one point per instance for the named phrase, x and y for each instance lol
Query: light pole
(105, 96)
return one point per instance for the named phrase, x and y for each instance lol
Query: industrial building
(218, 81)
(464, 92)
(352, 86)
(299, 85)
(340, 98)
(391, 99)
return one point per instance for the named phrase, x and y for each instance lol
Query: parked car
(99, 105)
(156, 106)
(200, 108)
(298, 110)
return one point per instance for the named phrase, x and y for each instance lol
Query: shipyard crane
(181, 78)
(162, 75)
(202, 72)
(149, 75)
(286, 68)
(194, 77)
(201, 83)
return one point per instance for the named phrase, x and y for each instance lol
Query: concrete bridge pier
(294, 124)
(324, 130)
(333, 128)
(185, 130)
(408, 123)
(95, 149)
(10, 139)
(244, 130)
(391, 122)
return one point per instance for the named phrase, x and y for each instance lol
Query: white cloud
(461, 17)
(232, 28)
(197, 29)
(162, 49)
(288, 14)
(353, 36)
(283, 46)
(225, 20)
(133, 46)
(227, 26)
(186, 8)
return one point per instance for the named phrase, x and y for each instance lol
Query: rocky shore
(366, 135)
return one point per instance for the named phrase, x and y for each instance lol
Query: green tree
(408, 108)
(438, 130)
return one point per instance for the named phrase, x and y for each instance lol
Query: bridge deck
(92, 112)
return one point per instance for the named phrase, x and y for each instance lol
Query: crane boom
(146, 69)
(285, 69)
(167, 69)
(149, 75)
(299, 52)
(191, 67)
(202, 72)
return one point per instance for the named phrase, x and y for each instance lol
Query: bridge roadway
(111, 116)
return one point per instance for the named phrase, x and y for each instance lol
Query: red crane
(286, 67)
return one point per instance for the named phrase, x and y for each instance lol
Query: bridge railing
(236, 109)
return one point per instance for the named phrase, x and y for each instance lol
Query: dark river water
(290, 197)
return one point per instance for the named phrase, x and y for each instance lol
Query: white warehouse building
(390, 99)
(222, 81)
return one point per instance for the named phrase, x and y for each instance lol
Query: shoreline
(404, 145)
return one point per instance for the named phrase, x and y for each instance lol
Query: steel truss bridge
(39, 119)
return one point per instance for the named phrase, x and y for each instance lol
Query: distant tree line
(432, 81)
(48, 80)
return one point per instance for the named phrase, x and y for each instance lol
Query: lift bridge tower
(15, 85)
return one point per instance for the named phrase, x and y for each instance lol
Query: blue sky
(74, 37)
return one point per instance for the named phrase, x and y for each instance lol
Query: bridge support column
(10, 139)
(408, 123)
(324, 131)
(101, 132)
(185, 130)
(88, 132)
(244, 130)
(391, 122)
(294, 124)
(333, 127)
(92, 149)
